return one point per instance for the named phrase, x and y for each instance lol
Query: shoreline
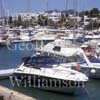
(8, 94)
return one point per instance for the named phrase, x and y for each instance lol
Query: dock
(1, 97)
(7, 94)
(6, 73)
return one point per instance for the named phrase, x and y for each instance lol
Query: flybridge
(61, 48)
(64, 51)
(69, 51)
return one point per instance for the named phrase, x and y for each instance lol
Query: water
(11, 59)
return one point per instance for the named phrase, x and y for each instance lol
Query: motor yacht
(88, 65)
(49, 73)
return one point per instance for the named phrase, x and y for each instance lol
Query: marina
(49, 51)
(38, 93)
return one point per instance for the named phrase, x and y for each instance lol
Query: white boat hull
(92, 72)
(69, 88)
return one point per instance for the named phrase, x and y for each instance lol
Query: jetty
(7, 94)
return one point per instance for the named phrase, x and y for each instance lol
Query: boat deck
(6, 73)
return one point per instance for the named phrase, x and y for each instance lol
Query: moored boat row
(59, 66)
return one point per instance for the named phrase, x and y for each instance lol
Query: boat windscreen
(48, 61)
(40, 61)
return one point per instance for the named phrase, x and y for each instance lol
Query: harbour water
(12, 58)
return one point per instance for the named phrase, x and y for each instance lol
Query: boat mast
(8, 21)
(29, 10)
(2, 11)
(47, 5)
(75, 2)
(1, 8)
(66, 5)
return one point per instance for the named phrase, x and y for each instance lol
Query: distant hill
(69, 11)
(50, 11)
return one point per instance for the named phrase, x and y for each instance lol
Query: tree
(86, 13)
(94, 12)
(70, 23)
(15, 23)
(19, 22)
(5, 21)
(92, 25)
(62, 20)
(10, 21)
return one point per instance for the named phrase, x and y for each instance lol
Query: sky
(16, 6)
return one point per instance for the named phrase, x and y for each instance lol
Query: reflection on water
(91, 92)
